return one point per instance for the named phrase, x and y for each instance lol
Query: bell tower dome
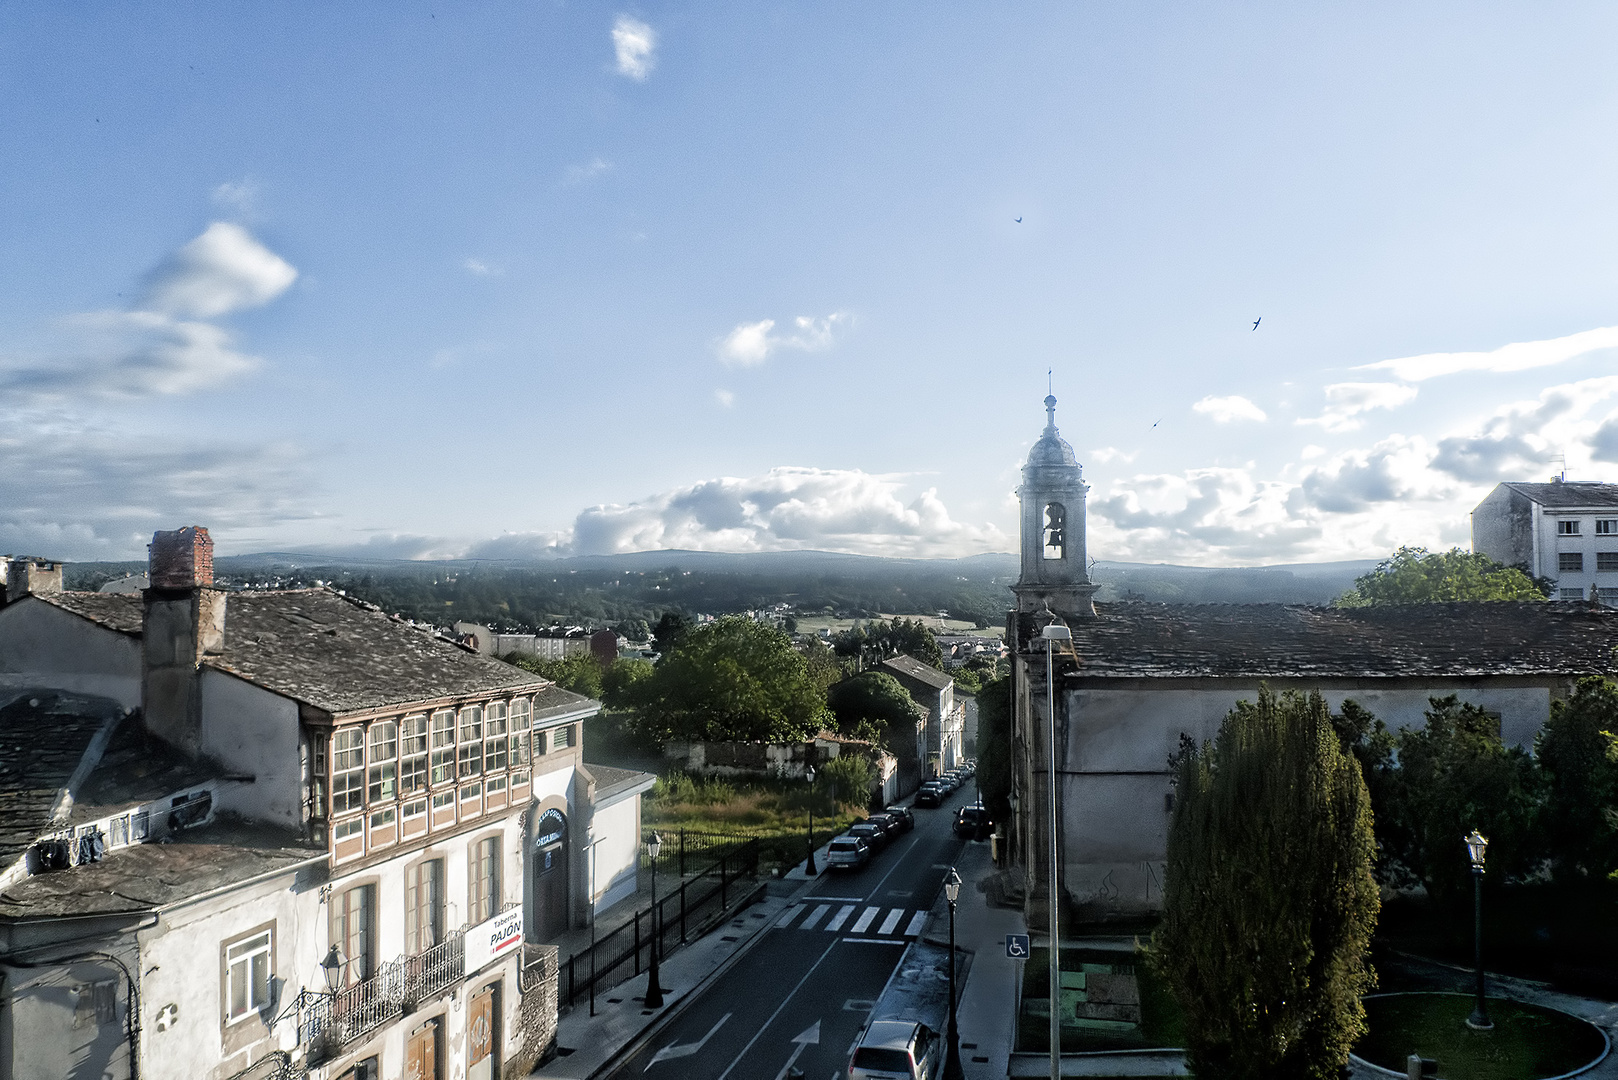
(1055, 570)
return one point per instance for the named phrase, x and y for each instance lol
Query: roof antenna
(1050, 382)
(1561, 475)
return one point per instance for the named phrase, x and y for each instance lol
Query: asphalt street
(798, 998)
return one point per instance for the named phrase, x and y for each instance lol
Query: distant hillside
(607, 590)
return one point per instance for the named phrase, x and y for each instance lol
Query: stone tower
(1055, 570)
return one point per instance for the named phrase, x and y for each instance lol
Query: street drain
(983, 1060)
(729, 938)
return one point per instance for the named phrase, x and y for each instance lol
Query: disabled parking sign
(1017, 946)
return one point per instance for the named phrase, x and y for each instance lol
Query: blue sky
(506, 279)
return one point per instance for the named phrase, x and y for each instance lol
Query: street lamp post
(331, 971)
(592, 843)
(1476, 843)
(809, 868)
(952, 1062)
(1053, 633)
(654, 992)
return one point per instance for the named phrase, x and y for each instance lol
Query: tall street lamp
(1476, 843)
(1052, 634)
(952, 1062)
(654, 992)
(593, 841)
(809, 870)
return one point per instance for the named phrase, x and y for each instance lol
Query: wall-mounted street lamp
(331, 971)
(1476, 845)
(654, 992)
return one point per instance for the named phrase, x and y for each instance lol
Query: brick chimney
(183, 621)
(21, 575)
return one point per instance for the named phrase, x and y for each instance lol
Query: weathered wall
(254, 733)
(617, 851)
(1503, 528)
(42, 645)
(44, 1033)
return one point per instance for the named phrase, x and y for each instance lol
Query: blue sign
(1017, 946)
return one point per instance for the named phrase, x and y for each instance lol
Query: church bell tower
(1055, 570)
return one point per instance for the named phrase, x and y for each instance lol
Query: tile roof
(1287, 641)
(142, 877)
(43, 737)
(1569, 496)
(915, 669)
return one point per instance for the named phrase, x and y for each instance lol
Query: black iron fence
(715, 871)
(689, 852)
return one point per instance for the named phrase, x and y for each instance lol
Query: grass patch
(774, 810)
(1527, 1042)
(1110, 1001)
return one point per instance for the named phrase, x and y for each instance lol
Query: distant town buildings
(1565, 531)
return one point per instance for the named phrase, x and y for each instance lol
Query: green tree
(1577, 751)
(1373, 745)
(877, 697)
(847, 778)
(994, 747)
(1456, 774)
(618, 681)
(671, 626)
(580, 673)
(1269, 901)
(731, 679)
(1416, 576)
(880, 640)
(824, 669)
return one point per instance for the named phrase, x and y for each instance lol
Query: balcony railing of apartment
(332, 1021)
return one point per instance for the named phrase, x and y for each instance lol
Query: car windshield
(882, 1059)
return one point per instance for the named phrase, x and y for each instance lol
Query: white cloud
(1517, 356)
(1346, 402)
(725, 397)
(1396, 469)
(239, 196)
(785, 509)
(480, 268)
(633, 43)
(221, 271)
(750, 344)
(1218, 514)
(578, 174)
(1523, 438)
(1106, 455)
(1226, 410)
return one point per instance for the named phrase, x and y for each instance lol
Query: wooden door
(421, 1053)
(482, 1035)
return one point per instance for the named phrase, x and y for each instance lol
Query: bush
(847, 779)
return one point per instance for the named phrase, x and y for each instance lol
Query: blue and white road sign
(1017, 946)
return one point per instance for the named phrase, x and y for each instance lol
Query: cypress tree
(1269, 901)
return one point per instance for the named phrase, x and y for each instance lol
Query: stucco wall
(1502, 527)
(42, 645)
(617, 836)
(38, 1036)
(255, 733)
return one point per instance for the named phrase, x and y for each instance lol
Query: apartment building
(1565, 531)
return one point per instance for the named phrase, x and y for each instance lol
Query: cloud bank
(1517, 356)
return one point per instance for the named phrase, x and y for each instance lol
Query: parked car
(973, 822)
(847, 853)
(890, 825)
(874, 836)
(907, 820)
(896, 1050)
(931, 794)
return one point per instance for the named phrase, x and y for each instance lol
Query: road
(799, 997)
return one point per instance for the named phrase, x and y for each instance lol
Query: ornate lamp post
(952, 1062)
(809, 869)
(654, 992)
(331, 970)
(1476, 844)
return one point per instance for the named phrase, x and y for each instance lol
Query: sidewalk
(586, 1043)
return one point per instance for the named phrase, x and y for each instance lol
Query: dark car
(907, 820)
(930, 795)
(890, 825)
(874, 835)
(973, 822)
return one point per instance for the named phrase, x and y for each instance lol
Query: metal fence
(690, 852)
(727, 866)
(331, 1021)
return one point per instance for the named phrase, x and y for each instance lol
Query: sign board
(489, 941)
(551, 829)
(1017, 946)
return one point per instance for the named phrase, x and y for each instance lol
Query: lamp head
(654, 845)
(1476, 844)
(952, 885)
(809, 774)
(1056, 632)
(331, 970)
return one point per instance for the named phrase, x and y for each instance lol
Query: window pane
(238, 988)
(443, 746)
(519, 714)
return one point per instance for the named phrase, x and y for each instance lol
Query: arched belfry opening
(1055, 571)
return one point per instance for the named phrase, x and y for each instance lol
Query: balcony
(332, 1021)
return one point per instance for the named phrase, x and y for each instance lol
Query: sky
(516, 279)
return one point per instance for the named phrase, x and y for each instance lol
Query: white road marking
(673, 1050)
(842, 917)
(791, 913)
(820, 913)
(916, 922)
(734, 1062)
(891, 921)
(864, 920)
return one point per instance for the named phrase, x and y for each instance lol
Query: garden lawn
(1527, 1042)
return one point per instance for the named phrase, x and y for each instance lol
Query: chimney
(22, 575)
(183, 621)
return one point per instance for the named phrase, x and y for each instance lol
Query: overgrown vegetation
(750, 807)
(1414, 575)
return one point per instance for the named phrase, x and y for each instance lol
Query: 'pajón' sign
(489, 941)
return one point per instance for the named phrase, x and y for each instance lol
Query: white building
(1565, 531)
(210, 803)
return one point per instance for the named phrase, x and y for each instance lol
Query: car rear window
(844, 845)
(882, 1059)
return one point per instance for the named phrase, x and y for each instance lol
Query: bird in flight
(1257, 321)
(1019, 221)
(1159, 420)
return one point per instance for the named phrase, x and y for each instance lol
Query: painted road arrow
(810, 1037)
(680, 1050)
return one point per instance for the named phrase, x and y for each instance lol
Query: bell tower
(1055, 570)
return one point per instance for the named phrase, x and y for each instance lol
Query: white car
(896, 1050)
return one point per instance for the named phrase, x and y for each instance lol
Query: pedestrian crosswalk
(870, 920)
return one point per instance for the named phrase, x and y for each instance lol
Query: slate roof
(116, 611)
(1289, 641)
(612, 781)
(34, 769)
(142, 877)
(911, 667)
(1569, 496)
